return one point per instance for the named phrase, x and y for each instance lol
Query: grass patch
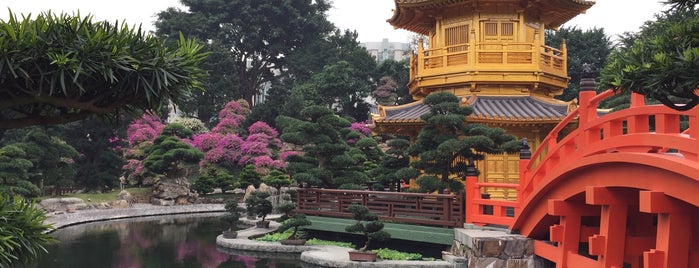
(138, 193)
(394, 255)
(276, 236)
(315, 241)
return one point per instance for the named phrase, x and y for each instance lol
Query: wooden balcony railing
(444, 210)
(491, 56)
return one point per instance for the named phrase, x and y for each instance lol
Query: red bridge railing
(444, 210)
(640, 128)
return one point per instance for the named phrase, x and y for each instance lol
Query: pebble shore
(63, 219)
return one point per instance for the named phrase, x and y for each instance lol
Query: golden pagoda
(491, 54)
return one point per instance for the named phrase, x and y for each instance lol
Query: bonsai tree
(368, 224)
(296, 221)
(286, 209)
(258, 205)
(232, 218)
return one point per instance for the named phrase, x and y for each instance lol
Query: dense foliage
(662, 61)
(447, 143)
(326, 159)
(249, 39)
(582, 47)
(169, 154)
(61, 68)
(23, 231)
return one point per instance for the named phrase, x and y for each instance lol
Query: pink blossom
(285, 154)
(361, 128)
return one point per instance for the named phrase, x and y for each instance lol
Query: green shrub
(394, 255)
(315, 241)
(275, 236)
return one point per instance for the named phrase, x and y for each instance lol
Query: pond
(162, 241)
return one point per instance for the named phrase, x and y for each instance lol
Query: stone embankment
(65, 218)
(321, 256)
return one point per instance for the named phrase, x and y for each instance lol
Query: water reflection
(165, 241)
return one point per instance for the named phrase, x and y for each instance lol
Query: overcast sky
(368, 17)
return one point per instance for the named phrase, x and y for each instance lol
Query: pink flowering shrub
(232, 116)
(140, 134)
(361, 128)
(143, 129)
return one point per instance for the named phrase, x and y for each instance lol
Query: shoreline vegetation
(139, 210)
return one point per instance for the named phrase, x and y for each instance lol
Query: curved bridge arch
(634, 209)
(607, 194)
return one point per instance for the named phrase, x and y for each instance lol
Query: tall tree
(340, 87)
(253, 36)
(589, 46)
(98, 165)
(61, 68)
(662, 61)
(399, 72)
(447, 142)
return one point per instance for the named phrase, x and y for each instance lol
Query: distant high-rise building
(385, 50)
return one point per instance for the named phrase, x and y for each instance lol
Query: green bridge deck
(436, 235)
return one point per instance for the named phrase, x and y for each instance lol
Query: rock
(236, 191)
(120, 204)
(265, 188)
(169, 191)
(248, 190)
(126, 196)
(162, 202)
(62, 204)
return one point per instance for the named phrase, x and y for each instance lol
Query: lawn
(138, 193)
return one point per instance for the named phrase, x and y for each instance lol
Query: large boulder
(169, 191)
(69, 204)
(126, 196)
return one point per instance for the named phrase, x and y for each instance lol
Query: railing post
(564, 58)
(472, 208)
(525, 156)
(299, 204)
(420, 56)
(587, 91)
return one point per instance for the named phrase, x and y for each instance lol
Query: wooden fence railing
(444, 210)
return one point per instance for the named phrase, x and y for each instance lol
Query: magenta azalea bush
(225, 148)
(140, 134)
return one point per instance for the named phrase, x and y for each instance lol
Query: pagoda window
(456, 38)
(498, 31)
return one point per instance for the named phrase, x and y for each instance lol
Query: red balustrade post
(471, 193)
(588, 90)
(525, 156)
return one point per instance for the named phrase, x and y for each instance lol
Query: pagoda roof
(486, 108)
(418, 15)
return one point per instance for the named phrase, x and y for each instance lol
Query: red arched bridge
(621, 190)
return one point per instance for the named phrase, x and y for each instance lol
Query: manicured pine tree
(169, 154)
(14, 173)
(447, 142)
(140, 134)
(395, 165)
(325, 160)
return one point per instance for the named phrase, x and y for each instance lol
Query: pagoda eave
(418, 15)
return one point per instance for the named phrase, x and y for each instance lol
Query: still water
(163, 241)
